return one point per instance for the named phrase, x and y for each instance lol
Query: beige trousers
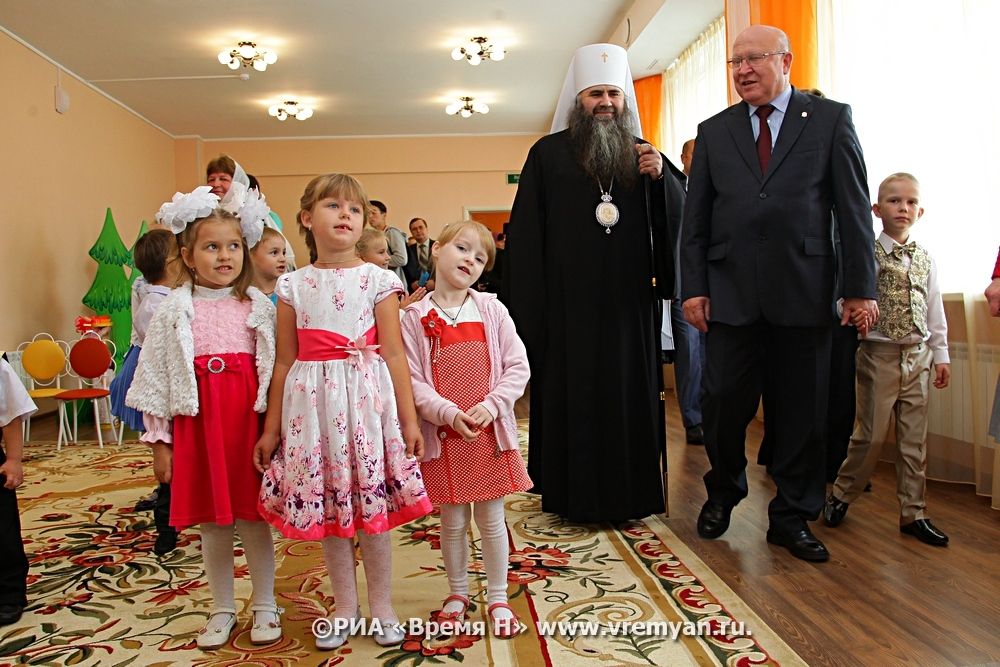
(892, 380)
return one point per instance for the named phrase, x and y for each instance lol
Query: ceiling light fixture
(290, 108)
(465, 107)
(477, 50)
(246, 54)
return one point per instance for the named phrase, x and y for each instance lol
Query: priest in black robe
(591, 251)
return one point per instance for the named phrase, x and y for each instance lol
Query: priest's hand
(697, 310)
(650, 161)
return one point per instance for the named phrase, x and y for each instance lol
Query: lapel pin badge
(805, 113)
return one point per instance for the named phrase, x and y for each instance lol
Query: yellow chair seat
(45, 392)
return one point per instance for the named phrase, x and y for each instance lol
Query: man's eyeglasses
(753, 59)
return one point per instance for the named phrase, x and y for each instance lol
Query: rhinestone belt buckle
(219, 365)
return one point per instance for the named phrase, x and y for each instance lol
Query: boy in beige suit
(896, 363)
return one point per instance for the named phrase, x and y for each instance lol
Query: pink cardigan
(509, 372)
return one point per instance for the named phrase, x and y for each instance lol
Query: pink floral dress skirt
(341, 465)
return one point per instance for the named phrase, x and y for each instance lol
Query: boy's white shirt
(937, 325)
(14, 399)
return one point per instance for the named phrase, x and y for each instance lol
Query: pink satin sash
(321, 345)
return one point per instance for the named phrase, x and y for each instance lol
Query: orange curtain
(649, 103)
(798, 19)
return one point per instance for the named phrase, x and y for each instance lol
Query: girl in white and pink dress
(344, 439)
(201, 380)
(468, 367)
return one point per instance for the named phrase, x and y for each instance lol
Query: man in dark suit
(759, 275)
(418, 256)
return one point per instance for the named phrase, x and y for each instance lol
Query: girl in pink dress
(202, 377)
(342, 428)
(468, 366)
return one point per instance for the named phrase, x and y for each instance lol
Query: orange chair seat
(82, 394)
(48, 392)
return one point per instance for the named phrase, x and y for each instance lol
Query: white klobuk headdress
(596, 65)
(246, 204)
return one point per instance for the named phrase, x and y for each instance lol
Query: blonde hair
(368, 237)
(189, 236)
(482, 233)
(269, 232)
(339, 186)
(892, 178)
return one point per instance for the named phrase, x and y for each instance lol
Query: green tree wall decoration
(110, 293)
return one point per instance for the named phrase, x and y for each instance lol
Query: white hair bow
(183, 209)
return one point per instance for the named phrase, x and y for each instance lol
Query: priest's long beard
(606, 148)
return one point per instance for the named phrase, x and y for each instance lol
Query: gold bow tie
(898, 250)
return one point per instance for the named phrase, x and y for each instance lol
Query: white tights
(217, 552)
(376, 552)
(492, 526)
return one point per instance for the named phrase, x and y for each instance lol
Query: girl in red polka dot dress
(468, 366)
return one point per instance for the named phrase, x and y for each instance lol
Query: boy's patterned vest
(902, 295)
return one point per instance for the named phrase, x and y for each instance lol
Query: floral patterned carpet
(99, 596)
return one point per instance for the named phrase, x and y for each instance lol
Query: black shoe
(10, 613)
(834, 511)
(695, 436)
(801, 543)
(165, 542)
(924, 530)
(713, 520)
(146, 504)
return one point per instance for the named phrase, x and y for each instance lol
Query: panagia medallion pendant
(606, 212)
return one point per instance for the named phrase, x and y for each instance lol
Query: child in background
(15, 405)
(373, 247)
(203, 371)
(468, 367)
(342, 427)
(156, 258)
(269, 264)
(898, 360)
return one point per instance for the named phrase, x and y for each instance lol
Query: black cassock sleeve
(524, 275)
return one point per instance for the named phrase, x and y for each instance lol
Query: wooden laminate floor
(882, 599)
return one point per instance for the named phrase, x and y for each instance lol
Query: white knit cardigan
(164, 383)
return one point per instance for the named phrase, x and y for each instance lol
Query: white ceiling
(369, 68)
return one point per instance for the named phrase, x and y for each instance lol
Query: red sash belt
(216, 363)
(321, 345)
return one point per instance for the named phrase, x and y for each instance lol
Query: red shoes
(504, 628)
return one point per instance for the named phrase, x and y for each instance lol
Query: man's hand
(993, 297)
(862, 313)
(697, 310)
(650, 160)
(942, 374)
